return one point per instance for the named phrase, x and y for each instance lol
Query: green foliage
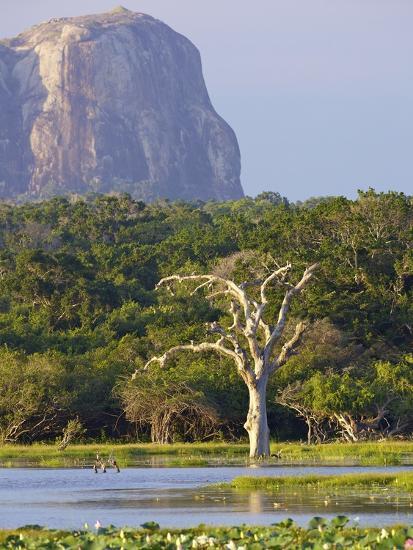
(77, 299)
(320, 534)
(33, 395)
(360, 401)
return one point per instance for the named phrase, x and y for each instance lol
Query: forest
(80, 314)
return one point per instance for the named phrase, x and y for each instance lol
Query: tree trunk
(309, 430)
(256, 424)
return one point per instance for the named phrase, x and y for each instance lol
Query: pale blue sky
(319, 92)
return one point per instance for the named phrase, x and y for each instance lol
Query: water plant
(320, 534)
(399, 481)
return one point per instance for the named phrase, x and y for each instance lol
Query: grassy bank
(366, 453)
(199, 454)
(402, 481)
(320, 534)
(196, 454)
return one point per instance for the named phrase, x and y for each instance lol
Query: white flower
(169, 537)
(384, 534)
(98, 525)
(230, 545)
(178, 544)
(202, 540)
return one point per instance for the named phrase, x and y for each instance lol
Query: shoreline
(204, 454)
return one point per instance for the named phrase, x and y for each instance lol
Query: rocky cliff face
(111, 102)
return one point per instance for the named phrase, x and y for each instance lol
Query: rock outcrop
(111, 102)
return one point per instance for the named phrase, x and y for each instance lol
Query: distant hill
(111, 102)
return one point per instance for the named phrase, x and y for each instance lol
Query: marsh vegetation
(320, 533)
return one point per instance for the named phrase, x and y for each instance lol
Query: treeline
(79, 314)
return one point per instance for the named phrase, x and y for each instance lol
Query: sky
(319, 92)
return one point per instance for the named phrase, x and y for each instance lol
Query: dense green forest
(79, 314)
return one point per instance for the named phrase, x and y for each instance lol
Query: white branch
(249, 325)
(283, 312)
(235, 311)
(260, 308)
(274, 275)
(289, 347)
(233, 289)
(197, 348)
(206, 283)
(216, 328)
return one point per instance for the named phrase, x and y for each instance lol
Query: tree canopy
(79, 313)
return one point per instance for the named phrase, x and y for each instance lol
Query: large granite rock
(111, 102)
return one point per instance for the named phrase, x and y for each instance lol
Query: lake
(180, 497)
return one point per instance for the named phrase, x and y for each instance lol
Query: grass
(402, 481)
(48, 455)
(199, 454)
(366, 453)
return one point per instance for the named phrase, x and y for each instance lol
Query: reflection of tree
(256, 502)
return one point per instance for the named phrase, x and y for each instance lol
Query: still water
(180, 497)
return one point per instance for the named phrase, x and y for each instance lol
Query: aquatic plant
(399, 481)
(320, 534)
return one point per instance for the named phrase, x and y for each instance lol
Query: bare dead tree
(170, 411)
(38, 424)
(381, 425)
(318, 424)
(73, 430)
(251, 342)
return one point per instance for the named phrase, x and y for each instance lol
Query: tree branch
(283, 312)
(197, 348)
(235, 311)
(289, 347)
(249, 325)
(216, 328)
(234, 289)
(281, 271)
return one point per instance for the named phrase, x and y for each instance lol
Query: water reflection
(256, 502)
(211, 460)
(178, 497)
